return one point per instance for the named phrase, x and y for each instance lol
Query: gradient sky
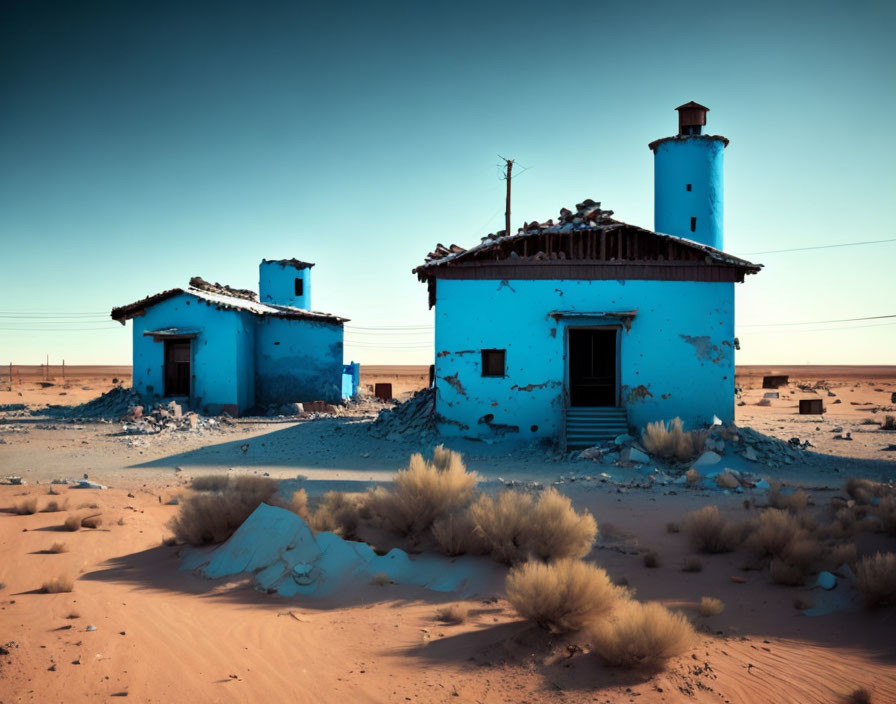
(142, 143)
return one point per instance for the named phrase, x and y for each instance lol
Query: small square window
(300, 286)
(688, 187)
(493, 362)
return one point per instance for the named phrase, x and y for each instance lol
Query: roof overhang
(603, 317)
(171, 334)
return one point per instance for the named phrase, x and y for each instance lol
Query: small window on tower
(300, 287)
(693, 224)
(688, 187)
(493, 362)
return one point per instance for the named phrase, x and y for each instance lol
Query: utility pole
(508, 163)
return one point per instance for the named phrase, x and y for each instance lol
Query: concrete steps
(586, 427)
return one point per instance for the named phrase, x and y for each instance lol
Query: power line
(818, 322)
(821, 246)
(800, 332)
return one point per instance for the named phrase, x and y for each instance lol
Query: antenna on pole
(508, 170)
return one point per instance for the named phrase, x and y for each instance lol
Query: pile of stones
(413, 420)
(112, 405)
(139, 421)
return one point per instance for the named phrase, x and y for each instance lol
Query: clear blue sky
(145, 142)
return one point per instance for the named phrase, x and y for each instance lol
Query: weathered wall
(677, 359)
(696, 160)
(297, 360)
(276, 284)
(222, 353)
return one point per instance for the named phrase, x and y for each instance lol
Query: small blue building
(216, 348)
(582, 328)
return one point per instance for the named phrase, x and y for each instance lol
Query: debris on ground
(414, 420)
(112, 405)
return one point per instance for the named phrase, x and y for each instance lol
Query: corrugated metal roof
(224, 302)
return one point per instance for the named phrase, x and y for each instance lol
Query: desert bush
(298, 504)
(775, 530)
(877, 578)
(423, 493)
(52, 491)
(886, 511)
(210, 482)
(692, 477)
(651, 559)
(863, 490)
(858, 696)
(57, 548)
(72, 523)
(805, 553)
(503, 523)
(456, 534)
(889, 423)
(692, 564)
(54, 506)
(58, 585)
(845, 553)
(453, 613)
(710, 606)
(556, 531)
(91, 522)
(726, 480)
(380, 579)
(338, 513)
(561, 596)
(797, 501)
(641, 634)
(711, 533)
(26, 507)
(673, 441)
(783, 573)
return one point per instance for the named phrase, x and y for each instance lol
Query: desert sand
(167, 635)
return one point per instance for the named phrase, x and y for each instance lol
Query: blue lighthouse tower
(688, 182)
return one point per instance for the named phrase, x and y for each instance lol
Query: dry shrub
(73, 615)
(711, 533)
(797, 501)
(453, 613)
(503, 523)
(26, 507)
(858, 696)
(672, 441)
(212, 517)
(726, 480)
(380, 579)
(651, 559)
(877, 578)
(57, 548)
(889, 423)
(72, 523)
(886, 511)
(788, 575)
(561, 596)
(91, 522)
(862, 490)
(210, 482)
(338, 513)
(298, 504)
(710, 606)
(692, 477)
(805, 553)
(556, 531)
(641, 634)
(54, 506)
(58, 585)
(774, 532)
(843, 554)
(424, 492)
(692, 564)
(456, 535)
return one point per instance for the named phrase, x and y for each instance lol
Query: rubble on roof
(223, 289)
(295, 263)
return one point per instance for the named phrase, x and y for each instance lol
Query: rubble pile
(415, 419)
(112, 405)
(169, 417)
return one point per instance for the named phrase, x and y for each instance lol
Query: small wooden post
(63, 370)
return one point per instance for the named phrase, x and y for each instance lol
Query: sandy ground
(163, 635)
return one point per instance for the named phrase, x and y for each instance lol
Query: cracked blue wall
(677, 358)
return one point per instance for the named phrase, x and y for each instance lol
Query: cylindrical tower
(687, 178)
(285, 282)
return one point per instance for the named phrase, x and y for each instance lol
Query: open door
(177, 367)
(592, 366)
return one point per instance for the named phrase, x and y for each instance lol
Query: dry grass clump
(298, 504)
(72, 523)
(91, 522)
(796, 502)
(58, 585)
(788, 575)
(453, 613)
(774, 532)
(57, 548)
(561, 596)
(211, 516)
(210, 482)
(423, 493)
(889, 423)
(863, 490)
(692, 477)
(503, 523)
(54, 506)
(877, 578)
(641, 634)
(337, 512)
(858, 696)
(673, 441)
(726, 480)
(711, 533)
(652, 559)
(456, 535)
(380, 579)
(710, 606)
(692, 564)
(26, 507)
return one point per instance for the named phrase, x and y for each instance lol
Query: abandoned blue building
(583, 328)
(217, 348)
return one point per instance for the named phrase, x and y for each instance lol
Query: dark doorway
(592, 367)
(177, 367)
